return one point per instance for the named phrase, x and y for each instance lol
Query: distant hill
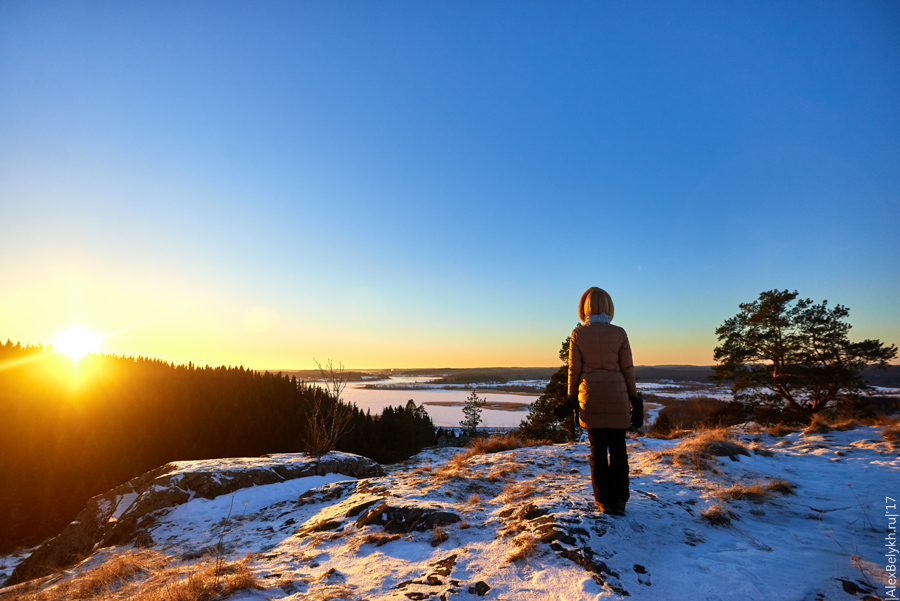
(889, 378)
(676, 373)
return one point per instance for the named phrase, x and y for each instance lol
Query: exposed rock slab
(124, 514)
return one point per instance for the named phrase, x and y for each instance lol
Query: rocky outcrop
(126, 513)
(400, 519)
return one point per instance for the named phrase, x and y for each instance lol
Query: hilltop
(717, 515)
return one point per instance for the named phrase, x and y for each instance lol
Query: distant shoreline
(495, 405)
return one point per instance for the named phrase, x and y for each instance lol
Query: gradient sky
(424, 184)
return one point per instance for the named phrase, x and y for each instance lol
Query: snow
(123, 503)
(787, 546)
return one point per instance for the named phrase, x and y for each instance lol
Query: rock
(405, 518)
(445, 566)
(125, 514)
(479, 589)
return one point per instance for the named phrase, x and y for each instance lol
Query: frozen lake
(376, 400)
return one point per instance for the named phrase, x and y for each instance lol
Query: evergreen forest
(70, 430)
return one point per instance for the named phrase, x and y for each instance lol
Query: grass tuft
(145, 575)
(779, 430)
(718, 515)
(697, 451)
(891, 434)
(820, 424)
(524, 544)
(438, 536)
(781, 486)
(501, 442)
(517, 491)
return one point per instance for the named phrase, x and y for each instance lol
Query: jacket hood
(593, 301)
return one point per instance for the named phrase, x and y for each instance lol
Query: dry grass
(464, 525)
(438, 536)
(503, 470)
(882, 420)
(717, 515)
(757, 491)
(779, 430)
(524, 544)
(698, 450)
(819, 424)
(421, 470)
(692, 411)
(455, 467)
(206, 583)
(473, 501)
(117, 571)
(781, 486)
(377, 538)
(748, 492)
(501, 442)
(517, 491)
(144, 575)
(891, 434)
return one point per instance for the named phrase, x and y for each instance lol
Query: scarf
(597, 318)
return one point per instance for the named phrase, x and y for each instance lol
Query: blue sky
(404, 184)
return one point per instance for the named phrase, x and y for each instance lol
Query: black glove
(637, 411)
(565, 409)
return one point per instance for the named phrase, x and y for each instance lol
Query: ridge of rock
(125, 513)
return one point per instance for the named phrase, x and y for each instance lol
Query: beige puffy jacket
(601, 369)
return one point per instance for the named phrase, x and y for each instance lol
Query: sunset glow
(76, 342)
(423, 185)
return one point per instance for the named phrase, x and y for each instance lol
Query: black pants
(609, 465)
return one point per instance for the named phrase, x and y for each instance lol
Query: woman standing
(601, 374)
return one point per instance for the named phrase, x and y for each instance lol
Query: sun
(76, 342)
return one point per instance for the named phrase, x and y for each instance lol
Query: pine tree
(540, 423)
(779, 349)
(472, 413)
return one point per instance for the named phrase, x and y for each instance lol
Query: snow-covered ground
(316, 538)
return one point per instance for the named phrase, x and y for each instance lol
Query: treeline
(315, 375)
(72, 430)
(494, 375)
